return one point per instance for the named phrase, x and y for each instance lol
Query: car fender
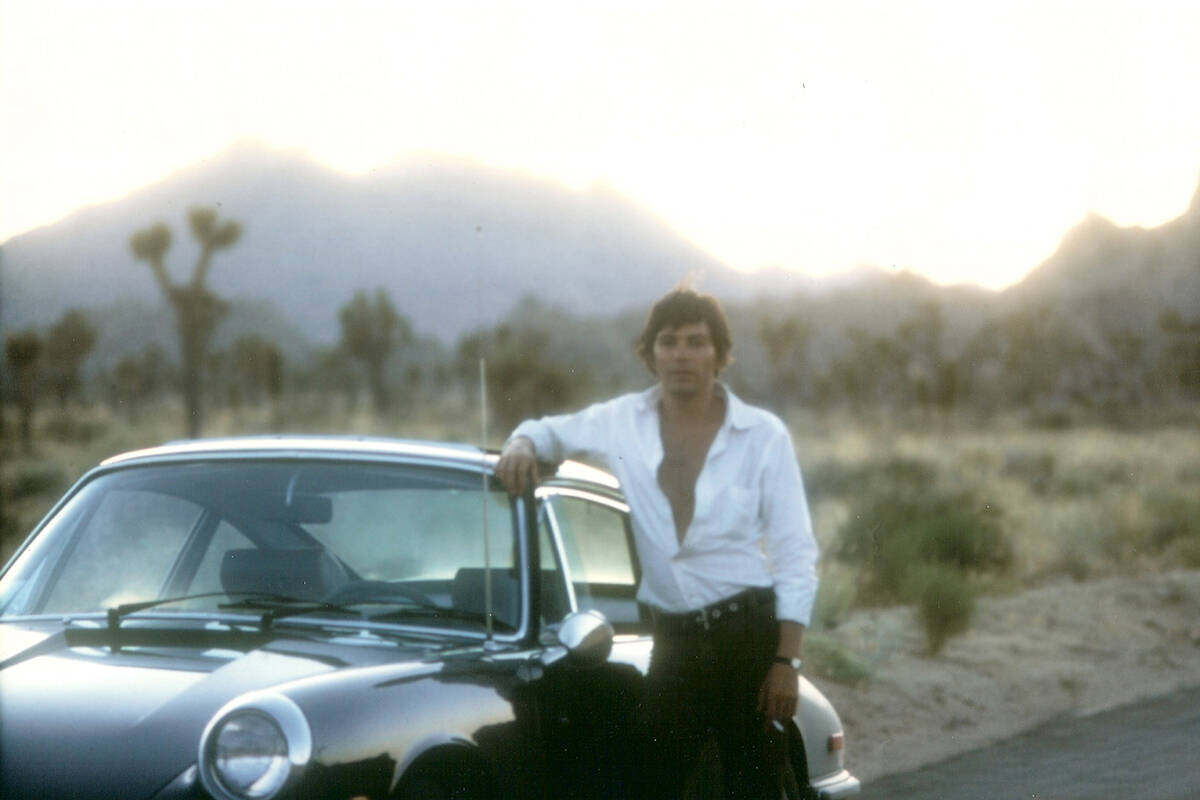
(822, 732)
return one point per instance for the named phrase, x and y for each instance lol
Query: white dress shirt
(751, 525)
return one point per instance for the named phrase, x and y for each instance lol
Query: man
(725, 542)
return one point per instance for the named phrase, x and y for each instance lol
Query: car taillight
(836, 743)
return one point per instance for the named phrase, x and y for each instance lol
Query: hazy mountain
(456, 244)
(1112, 280)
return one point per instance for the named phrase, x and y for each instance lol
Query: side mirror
(587, 637)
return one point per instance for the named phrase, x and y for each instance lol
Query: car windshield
(388, 542)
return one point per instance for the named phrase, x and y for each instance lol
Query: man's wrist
(522, 443)
(788, 661)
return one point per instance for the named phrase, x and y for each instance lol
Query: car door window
(600, 563)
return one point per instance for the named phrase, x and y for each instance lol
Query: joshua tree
(197, 310)
(1183, 351)
(786, 342)
(68, 343)
(371, 331)
(22, 350)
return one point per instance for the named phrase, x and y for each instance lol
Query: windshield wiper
(275, 605)
(117, 613)
(424, 610)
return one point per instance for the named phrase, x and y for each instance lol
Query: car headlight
(254, 747)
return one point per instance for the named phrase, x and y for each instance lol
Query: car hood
(85, 719)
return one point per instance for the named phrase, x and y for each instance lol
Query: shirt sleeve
(790, 546)
(563, 436)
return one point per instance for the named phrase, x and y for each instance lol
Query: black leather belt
(703, 619)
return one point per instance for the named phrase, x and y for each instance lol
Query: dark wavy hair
(685, 306)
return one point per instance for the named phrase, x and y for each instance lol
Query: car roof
(292, 446)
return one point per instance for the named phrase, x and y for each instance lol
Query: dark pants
(703, 686)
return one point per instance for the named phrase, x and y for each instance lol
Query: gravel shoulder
(1028, 659)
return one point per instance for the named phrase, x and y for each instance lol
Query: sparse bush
(839, 479)
(8, 524)
(70, 428)
(827, 659)
(1035, 469)
(894, 532)
(31, 480)
(1056, 419)
(1076, 561)
(1176, 523)
(945, 603)
(835, 597)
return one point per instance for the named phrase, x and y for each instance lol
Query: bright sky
(958, 139)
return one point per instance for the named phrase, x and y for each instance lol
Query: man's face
(685, 359)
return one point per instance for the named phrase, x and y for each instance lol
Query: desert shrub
(1176, 523)
(8, 523)
(945, 603)
(1052, 419)
(836, 596)
(1078, 483)
(893, 532)
(1035, 469)
(1076, 560)
(30, 480)
(73, 429)
(827, 659)
(840, 479)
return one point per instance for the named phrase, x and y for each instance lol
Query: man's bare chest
(685, 451)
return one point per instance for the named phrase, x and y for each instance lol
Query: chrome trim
(584, 473)
(582, 494)
(838, 785)
(276, 707)
(560, 553)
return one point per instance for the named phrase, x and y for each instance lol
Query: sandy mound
(1062, 648)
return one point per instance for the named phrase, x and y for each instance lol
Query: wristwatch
(794, 663)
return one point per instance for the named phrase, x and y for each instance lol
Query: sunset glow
(957, 140)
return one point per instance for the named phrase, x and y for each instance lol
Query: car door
(588, 563)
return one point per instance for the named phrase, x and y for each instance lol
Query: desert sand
(1064, 648)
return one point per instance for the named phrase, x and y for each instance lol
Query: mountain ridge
(455, 243)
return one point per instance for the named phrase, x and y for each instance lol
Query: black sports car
(333, 618)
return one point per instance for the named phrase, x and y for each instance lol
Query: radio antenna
(488, 611)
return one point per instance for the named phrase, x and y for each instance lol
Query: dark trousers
(703, 686)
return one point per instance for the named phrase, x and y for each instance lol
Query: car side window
(600, 562)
